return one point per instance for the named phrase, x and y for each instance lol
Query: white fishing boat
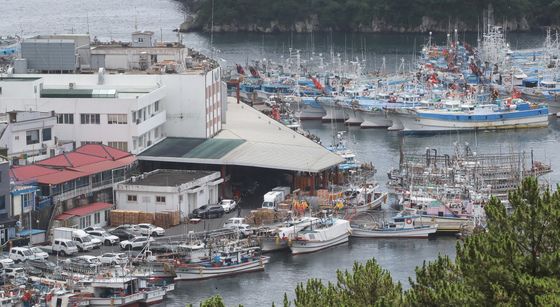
(400, 227)
(364, 198)
(279, 238)
(321, 235)
(119, 291)
(222, 264)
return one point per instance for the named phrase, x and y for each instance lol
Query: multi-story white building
(127, 111)
(28, 136)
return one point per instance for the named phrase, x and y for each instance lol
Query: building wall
(89, 220)
(185, 198)
(15, 140)
(189, 105)
(5, 199)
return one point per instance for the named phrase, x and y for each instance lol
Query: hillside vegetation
(369, 15)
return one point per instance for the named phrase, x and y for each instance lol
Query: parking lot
(171, 234)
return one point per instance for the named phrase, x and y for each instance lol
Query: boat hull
(333, 111)
(304, 247)
(419, 124)
(423, 232)
(310, 110)
(374, 205)
(272, 244)
(445, 224)
(374, 119)
(354, 116)
(200, 272)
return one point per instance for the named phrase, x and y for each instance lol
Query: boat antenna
(212, 31)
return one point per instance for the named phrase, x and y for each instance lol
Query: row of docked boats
(452, 87)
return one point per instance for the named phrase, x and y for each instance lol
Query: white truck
(63, 247)
(80, 237)
(272, 199)
(285, 191)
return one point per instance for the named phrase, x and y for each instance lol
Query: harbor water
(107, 19)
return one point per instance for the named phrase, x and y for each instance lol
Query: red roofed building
(76, 178)
(96, 214)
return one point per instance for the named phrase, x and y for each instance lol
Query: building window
(119, 119)
(132, 198)
(3, 203)
(82, 143)
(87, 119)
(119, 145)
(107, 212)
(32, 137)
(66, 118)
(47, 134)
(97, 218)
(156, 106)
(160, 199)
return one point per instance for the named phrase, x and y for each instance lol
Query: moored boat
(321, 235)
(222, 264)
(400, 227)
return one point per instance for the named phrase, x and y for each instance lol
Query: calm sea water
(111, 19)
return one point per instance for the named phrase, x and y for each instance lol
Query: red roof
(83, 211)
(71, 159)
(84, 161)
(29, 172)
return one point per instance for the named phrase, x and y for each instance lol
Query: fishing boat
(365, 197)
(119, 291)
(515, 114)
(224, 263)
(447, 219)
(275, 239)
(309, 108)
(320, 235)
(400, 227)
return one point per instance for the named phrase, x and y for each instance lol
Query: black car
(122, 233)
(208, 211)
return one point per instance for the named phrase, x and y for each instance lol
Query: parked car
(122, 234)
(96, 241)
(136, 242)
(149, 229)
(228, 205)
(113, 258)
(43, 265)
(5, 261)
(93, 228)
(39, 253)
(238, 224)
(82, 262)
(14, 272)
(105, 237)
(21, 254)
(208, 211)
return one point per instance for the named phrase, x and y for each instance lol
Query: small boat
(364, 198)
(279, 238)
(400, 227)
(321, 235)
(224, 263)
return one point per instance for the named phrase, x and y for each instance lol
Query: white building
(28, 136)
(143, 53)
(127, 111)
(96, 214)
(169, 190)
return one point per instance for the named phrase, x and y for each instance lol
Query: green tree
(367, 285)
(516, 262)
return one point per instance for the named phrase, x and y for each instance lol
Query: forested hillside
(369, 15)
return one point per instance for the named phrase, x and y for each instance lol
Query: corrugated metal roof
(83, 210)
(249, 138)
(213, 148)
(270, 144)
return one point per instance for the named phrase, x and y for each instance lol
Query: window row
(132, 198)
(91, 118)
